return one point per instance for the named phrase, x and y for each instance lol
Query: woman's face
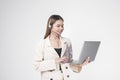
(58, 27)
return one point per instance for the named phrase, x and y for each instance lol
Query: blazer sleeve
(70, 51)
(39, 63)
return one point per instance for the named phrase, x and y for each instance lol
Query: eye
(62, 25)
(58, 25)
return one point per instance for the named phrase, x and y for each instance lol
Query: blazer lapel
(64, 46)
(51, 49)
(49, 46)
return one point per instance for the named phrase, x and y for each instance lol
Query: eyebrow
(60, 24)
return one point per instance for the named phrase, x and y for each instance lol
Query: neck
(54, 36)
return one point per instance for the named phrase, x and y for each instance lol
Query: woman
(54, 53)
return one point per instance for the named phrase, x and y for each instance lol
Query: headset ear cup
(49, 26)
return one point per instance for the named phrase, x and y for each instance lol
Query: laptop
(89, 49)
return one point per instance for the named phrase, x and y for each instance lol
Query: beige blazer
(44, 61)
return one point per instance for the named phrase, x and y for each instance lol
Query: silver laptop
(89, 49)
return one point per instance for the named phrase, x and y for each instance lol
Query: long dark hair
(52, 19)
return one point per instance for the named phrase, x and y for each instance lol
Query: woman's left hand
(77, 67)
(86, 62)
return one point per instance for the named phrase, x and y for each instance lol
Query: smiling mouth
(60, 31)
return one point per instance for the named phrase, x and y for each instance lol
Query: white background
(23, 23)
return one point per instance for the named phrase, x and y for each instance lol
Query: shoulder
(65, 39)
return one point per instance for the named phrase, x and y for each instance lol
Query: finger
(88, 58)
(63, 58)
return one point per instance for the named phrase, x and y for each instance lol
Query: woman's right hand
(61, 60)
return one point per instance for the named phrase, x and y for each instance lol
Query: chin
(59, 33)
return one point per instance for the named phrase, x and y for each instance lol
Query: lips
(60, 31)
